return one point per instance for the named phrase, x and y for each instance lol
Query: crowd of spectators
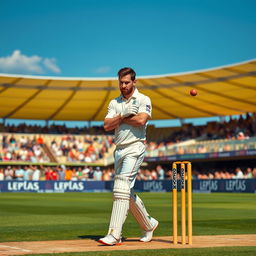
(212, 130)
(95, 143)
(51, 129)
(23, 148)
(81, 148)
(237, 173)
(35, 172)
(217, 130)
(201, 147)
(160, 173)
(68, 148)
(106, 173)
(202, 138)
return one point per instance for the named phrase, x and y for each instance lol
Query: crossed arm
(136, 120)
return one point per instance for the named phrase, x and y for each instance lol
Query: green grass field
(223, 251)
(29, 217)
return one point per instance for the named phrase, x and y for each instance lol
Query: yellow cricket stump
(185, 165)
(189, 191)
(174, 208)
(183, 205)
(175, 219)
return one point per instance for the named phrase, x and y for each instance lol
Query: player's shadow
(124, 239)
(96, 237)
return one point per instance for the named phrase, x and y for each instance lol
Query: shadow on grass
(91, 237)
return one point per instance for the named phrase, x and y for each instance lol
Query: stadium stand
(67, 153)
(44, 148)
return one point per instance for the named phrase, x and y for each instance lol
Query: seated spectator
(248, 174)
(168, 174)
(238, 174)
(47, 173)
(54, 174)
(254, 173)
(74, 174)
(40, 140)
(1, 173)
(202, 176)
(90, 174)
(107, 174)
(19, 174)
(160, 172)
(61, 172)
(241, 136)
(9, 173)
(154, 174)
(68, 174)
(28, 173)
(85, 172)
(36, 173)
(97, 174)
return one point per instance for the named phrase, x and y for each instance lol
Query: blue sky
(94, 38)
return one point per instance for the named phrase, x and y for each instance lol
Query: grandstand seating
(59, 144)
(99, 149)
(209, 146)
(55, 148)
(23, 148)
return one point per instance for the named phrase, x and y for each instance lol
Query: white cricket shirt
(125, 133)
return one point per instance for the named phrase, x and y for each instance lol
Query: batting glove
(130, 110)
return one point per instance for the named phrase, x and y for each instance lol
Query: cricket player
(128, 115)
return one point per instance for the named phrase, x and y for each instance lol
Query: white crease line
(16, 248)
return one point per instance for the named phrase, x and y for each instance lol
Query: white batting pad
(121, 188)
(140, 213)
(121, 197)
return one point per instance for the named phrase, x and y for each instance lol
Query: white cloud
(22, 64)
(51, 65)
(102, 70)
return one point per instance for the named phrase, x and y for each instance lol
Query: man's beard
(127, 92)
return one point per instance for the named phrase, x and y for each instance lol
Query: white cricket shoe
(147, 235)
(110, 240)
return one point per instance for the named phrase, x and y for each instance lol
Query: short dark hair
(126, 71)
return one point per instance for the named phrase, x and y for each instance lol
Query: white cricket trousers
(128, 160)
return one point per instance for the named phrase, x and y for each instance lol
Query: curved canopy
(227, 90)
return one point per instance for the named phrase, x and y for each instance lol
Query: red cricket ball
(193, 92)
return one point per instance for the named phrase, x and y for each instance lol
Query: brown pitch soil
(85, 245)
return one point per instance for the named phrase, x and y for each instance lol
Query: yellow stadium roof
(227, 90)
